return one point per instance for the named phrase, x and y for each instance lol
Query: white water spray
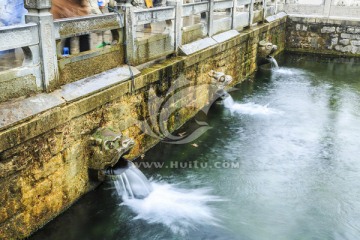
(130, 182)
(248, 108)
(156, 202)
(179, 209)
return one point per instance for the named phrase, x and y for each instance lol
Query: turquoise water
(281, 162)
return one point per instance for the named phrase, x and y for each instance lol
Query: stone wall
(44, 160)
(324, 36)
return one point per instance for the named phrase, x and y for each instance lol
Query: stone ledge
(84, 87)
(325, 20)
(329, 53)
(222, 37)
(276, 17)
(236, 40)
(197, 46)
(19, 110)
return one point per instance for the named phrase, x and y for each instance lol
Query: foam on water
(179, 209)
(289, 71)
(249, 108)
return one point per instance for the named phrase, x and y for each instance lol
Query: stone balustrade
(326, 8)
(46, 69)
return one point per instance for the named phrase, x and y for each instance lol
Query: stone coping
(276, 17)
(197, 46)
(18, 110)
(205, 43)
(222, 37)
(214, 41)
(326, 20)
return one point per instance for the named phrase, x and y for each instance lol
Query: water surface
(281, 162)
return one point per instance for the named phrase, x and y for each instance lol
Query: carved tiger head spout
(107, 148)
(219, 79)
(265, 51)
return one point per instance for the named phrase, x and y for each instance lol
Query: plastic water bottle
(66, 52)
(100, 3)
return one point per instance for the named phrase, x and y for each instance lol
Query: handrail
(70, 27)
(18, 36)
(153, 15)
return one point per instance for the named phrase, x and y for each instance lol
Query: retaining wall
(44, 158)
(323, 36)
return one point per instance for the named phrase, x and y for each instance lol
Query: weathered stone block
(344, 41)
(346, 49)
(328, 30)
(355, 36)
(350, 30)
(355, 43)
(345, 35)
(334, 41)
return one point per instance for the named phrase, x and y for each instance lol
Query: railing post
(276, 7)
(177, 22)
(327, 8)
(251, 13)
(39, 12)
(130, 31)
(233, 20)
(264, 10)
(211, 18)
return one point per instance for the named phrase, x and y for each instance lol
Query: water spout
(273, 62)
(265, 54)
(129, 181)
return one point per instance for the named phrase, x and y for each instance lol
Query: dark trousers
(84, 43)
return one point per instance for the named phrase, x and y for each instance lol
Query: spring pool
(280, 162)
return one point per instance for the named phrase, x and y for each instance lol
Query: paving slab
(84, 87)
(275, 17)
(197, 46)
(21, 109)
(222, 37)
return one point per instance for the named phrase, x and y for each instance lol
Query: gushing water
(179, 209)
(130, 182)
(156, 202)
(248, 108)
(273, 62)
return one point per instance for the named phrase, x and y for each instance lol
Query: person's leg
(84, 43)
(67, 44)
